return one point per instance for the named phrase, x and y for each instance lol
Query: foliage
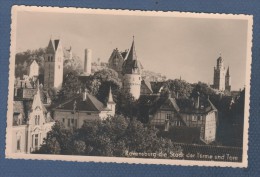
(71, 86)
(112, 137)
(23, 59)
(203, 89)
(179, 87)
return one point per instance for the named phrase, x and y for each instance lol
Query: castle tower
(53, 65)
(110, 103)
(87, 62)
(219, 75)
(228, 81)
(131, 71)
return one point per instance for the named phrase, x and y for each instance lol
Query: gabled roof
(187, 106)
(116, 55)
(227, 74)
(91, 104)
(147, 84)
(164, 103)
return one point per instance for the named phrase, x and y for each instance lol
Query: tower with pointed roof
(222, 78)
(131, 72)
(111, 105)
(228, 81)
(53, 65)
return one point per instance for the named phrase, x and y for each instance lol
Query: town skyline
(187, 65)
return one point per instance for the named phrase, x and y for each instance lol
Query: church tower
(219, 75)
(228, 81)
(53, 65)
(131, 71)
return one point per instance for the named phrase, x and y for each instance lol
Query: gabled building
(146, 88)
(31, 123)
(83, 108)
(168, 113)
(115, 62)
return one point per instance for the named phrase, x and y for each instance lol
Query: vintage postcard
(129, 86)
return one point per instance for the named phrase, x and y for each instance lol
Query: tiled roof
(156, 86)
(116, 55)
(147, 84)
(188, 106)
(91, 104)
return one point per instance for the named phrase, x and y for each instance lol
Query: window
(199, 118)
(63, 120)
(88, 113)
(72, 121)
(18, 144)
(36, 120)
(194, 118)
(59, 66)
(168, 116)
(36, 140)
(68, 122)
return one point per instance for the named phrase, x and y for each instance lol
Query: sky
(173, 46)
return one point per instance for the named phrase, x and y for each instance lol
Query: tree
(70, 87)
(58, 140)
(179, 88)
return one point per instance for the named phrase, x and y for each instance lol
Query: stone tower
(131, 73)
(53, 65)
(219, 75)
(228, 81)
(87, 62)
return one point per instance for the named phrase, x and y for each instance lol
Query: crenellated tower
(219, 75)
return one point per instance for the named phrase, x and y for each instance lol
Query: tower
(110, 103)
(131, 71)
(228, 81)
(87, 62)
(53, 65)
(219, 75)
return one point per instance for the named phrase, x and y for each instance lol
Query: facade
(115, 62)
(31, 123)
(201, 114)
(53, 65)
(131, 72)
(222, 78)
(34, 70)
(83, 108)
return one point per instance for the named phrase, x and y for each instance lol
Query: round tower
(131, 71)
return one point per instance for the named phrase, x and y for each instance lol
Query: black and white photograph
(129, 86)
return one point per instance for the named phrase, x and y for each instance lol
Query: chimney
(177, 95)
(87, 62)
(84, 95)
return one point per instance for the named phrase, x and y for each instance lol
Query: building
(34, 70)
(115, 62)
(83, 108)
(200, 114)
(31, 123)
(131, 72)
(53, 65)
(222, 78)
(146, 88)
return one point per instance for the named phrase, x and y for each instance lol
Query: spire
(132, 53)
(110, 96)
(227, 74)
(36, 98)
